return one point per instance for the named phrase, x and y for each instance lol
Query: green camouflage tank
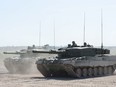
(77, 61)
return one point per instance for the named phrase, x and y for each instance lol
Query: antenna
(40, 35)
(84, 29)
(101, 33)
(54, 33)
(101, 30)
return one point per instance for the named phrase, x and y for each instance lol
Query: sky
(22, 20)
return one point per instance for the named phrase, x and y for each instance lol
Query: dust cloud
(33, 78)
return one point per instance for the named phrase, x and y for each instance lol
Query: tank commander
(85, 44)
(74, 44)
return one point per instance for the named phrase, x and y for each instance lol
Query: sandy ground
(37, 80)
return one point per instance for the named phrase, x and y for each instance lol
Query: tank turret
(76, 51)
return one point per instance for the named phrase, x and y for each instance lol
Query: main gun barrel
(13, 52)
(50, 51)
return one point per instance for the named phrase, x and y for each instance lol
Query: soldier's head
(73, 42)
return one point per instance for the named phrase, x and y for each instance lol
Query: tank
(78, 62)
(24, 61)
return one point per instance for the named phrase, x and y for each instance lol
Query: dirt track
(10, 80)
(37, 80)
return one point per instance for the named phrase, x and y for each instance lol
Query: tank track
(77, 72)
(86, 72)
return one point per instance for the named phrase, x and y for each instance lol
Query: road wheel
(110, 70)
(95, 71)
(78, 72)
(84, 72)
(90, 72)
(105, 70)
(100, 71)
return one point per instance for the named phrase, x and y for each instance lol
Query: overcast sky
(20, 22)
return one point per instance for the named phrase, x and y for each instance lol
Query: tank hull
(51, 70)
(78, 67)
